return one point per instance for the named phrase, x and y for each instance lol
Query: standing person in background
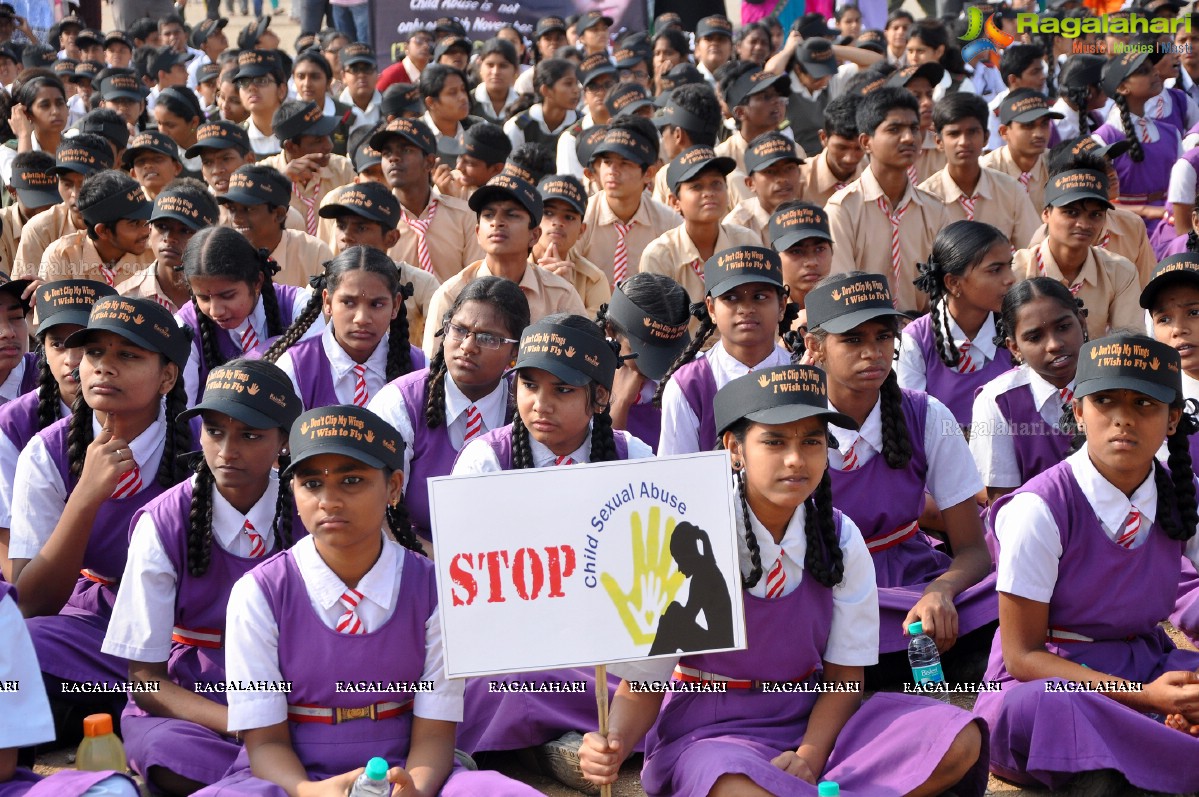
(417, 53)
(713, 45)
(353, 17)
(592, 30)
(548, 36)
(262, 86)
(360, 73)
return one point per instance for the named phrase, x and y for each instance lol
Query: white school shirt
(1186, 83)
(478, 457)
(39, 495)
(951, 477)
(1182, 183)
(567, 156)
(994, 141)
(389, 405)
(991, 441)
(76, 109)
(912, 370)
(10, 388)
(987, 82)
(260, 142)
(365, 118)
(853, 634)
(29, 702)
(252, 636)
(680, 425)
(143, 617)
(1030, 541)
(9, 453)
(342, 366)
(1155, 130)
(1190, 390)
(1162, 106)
(191, 371)
(484, 100)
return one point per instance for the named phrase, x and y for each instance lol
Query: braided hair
(603, 439)
(707, 325)
(225, 253)
(199, 529)
(49, 396)
(1026, 291)
(509, 303)
(399, 523)
(1135, 150)
(958, 248)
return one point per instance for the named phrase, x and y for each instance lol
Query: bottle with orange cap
(100, 749)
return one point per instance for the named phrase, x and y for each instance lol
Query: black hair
(286, 110)
(1026, 291)
(568, 52)
(356, 258)
(313, 56)
(752, 27)
(700, 101)
(874, 107)
(1193, 236)
(676, 38)
(30, 82)
(930, 31)
(141, 28)
(603, 439)
(536, 159)
(1135, 150)
(730, 73)
(842, 9)
(181, 102)
(510, 304)
(171, 19)
(958, 248)
(502, 47)
(492, 137)
(1062, 158)
(1079, 96)
(97, 188)
(898, 14)
(433, 78)
(841, 116)
(1046, 42)
(872, 77)
(1017, 58)
(225, 253)
(549, 72)
(823, 559)
(957, 106)
(657, 295)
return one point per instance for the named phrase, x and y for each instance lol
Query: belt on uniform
(893, 538)
(693, 676)
(197, 637)
(92, 575)
(302, 712)
(1141, 199)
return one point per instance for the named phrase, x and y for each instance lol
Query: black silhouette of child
(678, 629)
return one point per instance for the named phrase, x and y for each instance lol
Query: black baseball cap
(507, 186)
(1025, 105)
(72, 156)
(797, 221)
(468, 143)
(7, 50)
(769, 149)
(842, 305)
(1081, 71)
(208, 72)
(594, 66)
(126, 201)
(256, 392)
(628, 56)
(121, 85)
(590, 19)
(142, 322)
(64, 69)
(564, 188)
(813, 25)
(628, 144)
(688, 164)
(572, 355)
(35, 189)
(1085, 145)
(357, 53)
(177, 204)
(678, 116)
(667, 20)
(114, 130)
(70, 20)
(656, 345)
(117, 37)
(295, 119)
(451, 43)
(89, 38)
(413, 131)
(349, 431)
(741, 265)
(370, 200)
(1119, 67)
(1076, 185)
(817, 57)
(248, 38)
(68, 302)
(448, 26)
(626, 99)
(38, 55)
(549, 25)
(245, 188)
(219, 135)
(678, 75)
(204, 30)
(1129, 362)
(929, 70)
(256, 63)
(587, 141)
(1174, 270)
(715, 25)
(755, 82)
(149, 141)
(365, 156)
(86, 70)
(782, 394)
(165, 59)
(401, 98)
(15, 288)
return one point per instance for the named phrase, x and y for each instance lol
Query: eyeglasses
(634, 74)
(485, 340)
(262, 81)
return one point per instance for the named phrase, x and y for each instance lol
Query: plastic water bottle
(373, 782)
(925, 660)
(828, 788)
(100, 748)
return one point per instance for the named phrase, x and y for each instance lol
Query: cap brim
(324, 127)
(209, 143)
(617, 149)
(723, 164)
(379, 140)
(600, 71)
(1168, 280)
(34, 198)
(635, 106)
(766, 164)
(791, 238)
(75, 168)
(655, 361)
(1032, 116)
(130, 155)
(81, 337)
(196, 224)
(724, 286)
(1076, 196)
(77, 318)
(240, 197)
(360, 59)
(547, 198)
(485, 193)
(1114, 150)
(1151, 389)
(819, 69)
(554, 366)
(337, 211)
(122, 94)
(843, 323)
(239, 412)
(16, 288)
(789, 413)
(335, 448)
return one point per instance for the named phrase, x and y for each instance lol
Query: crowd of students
(255, 296)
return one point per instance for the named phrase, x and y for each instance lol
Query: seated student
(622, 219)
(1080, 86)
(634, 56)
(906, 443)
(629, 98)
(409, 152)
(799, 233)
(648, 316)
(261, 84)
(952, 352)
(180, 211)
(757, 101)
(122, 92)
(19, 373)
(384, 599)
(368, 161)
(187, 548)
(699, 193)
(969, 191)
(557, 83)
(402, 100)
(453, 51)
(804, 566)
(772, 166)
(509, 214)
(922, 81)
(884, 202)
(1022, 66)
(493, 98)
(32, 191)
(178, 114)
(113, 246)
(110, 126)
(444, 90)
(713, 45)
(1015, 432)
(547, 37)
(223, 148)
(841, 158)
(564, 203)
(165, 67)
(1024, 126)
(746, 302)
(482, 150)
(811, 69)
(153, 160)
(312, 75)
(257, 202)
(691, 118)
(76, 159)
(78, 484)
(1074, 543)
(1075, 209)
(462, 394)
(360, 74)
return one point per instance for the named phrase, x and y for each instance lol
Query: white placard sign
(587, 564)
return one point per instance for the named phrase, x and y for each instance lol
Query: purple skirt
(1186, 608)
(461, 783)
(183, 747)
(68, 783)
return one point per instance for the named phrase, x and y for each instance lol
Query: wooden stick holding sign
(643, 549)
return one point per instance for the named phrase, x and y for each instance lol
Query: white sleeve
(143, 616)
(853, 636)
(568, 156)
(446, 700)
(19, 665)
(39, 498)
(389, 405)
(8, 476)
(252, 654)
(515, 134)
(191, 374)
(910, 370)
(952, 477)
(1182, 183)
(680, 427)
(1030, 546)
(638, 448)
(991, 444)
(288, 367)
(476, 457)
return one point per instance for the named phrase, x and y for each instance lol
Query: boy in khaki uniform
(758, 102)
(33, 190)
(112, 247)
(772, 164)
(842, 159)
(690, 117)
(564, 203)
(1024, 123)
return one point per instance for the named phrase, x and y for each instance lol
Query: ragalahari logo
(985, 37)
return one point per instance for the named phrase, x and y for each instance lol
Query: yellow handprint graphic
(656, 579)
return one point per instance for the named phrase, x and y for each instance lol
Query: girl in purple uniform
(462, 394)
(365, 344)
(345, 604)
(187, 548)
(804, 568)
(951, 352)
(1089, 556)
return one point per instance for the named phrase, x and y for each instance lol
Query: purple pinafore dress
(905, 560)
(645, 423)
(28, 376)
(1138, 181)
(1039, 446)
(701, 736)
(315, 374)
(197, 650)
(698, 384)
(954, 389)
(68, 643)
(18, 419)
(1178, 104)
(310, 655)
(1165, 241)
(1115, 597)
(515, 720)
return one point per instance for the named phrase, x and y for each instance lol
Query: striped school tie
(129, 483)
(257, 544)
(474, 423)
(108, 275)
(349, 622)
(697, 266)
(1025, 179)
(1132, 525)
(421, 228)
(1144, 125)
(776, 579)
(968, 205)
(895, 218)
(360, 394)
(1066, 395)
(563, 460)
(966, 364)
(249, 338)
(309, 202)
(620, 262)
(850, 460)
(912, 174)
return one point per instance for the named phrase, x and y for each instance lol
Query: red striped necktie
(309, 201)
(474, 423)
(1025, 179)
(129, 483)
(968, 205)
(895, 218)
(1132, 525)
(1066, 395)
(563, 460)
(850, 460)
(360, 394)
(421, 228)
(257, 544)
(776, 579)
(620, 264)
(966, 364)
(249, 338)
(349, 622)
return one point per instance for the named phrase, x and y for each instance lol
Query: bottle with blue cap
(925, 659)
(828, 788)
(372, 782)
